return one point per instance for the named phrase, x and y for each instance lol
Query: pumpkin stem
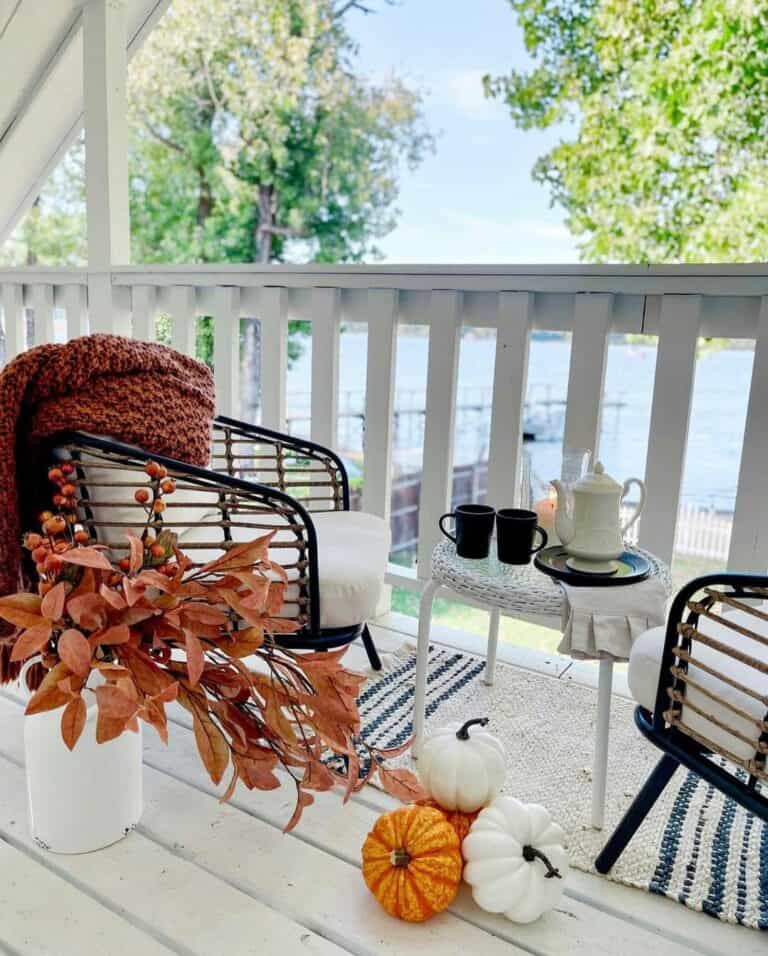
(463, 732)
(400, 857)
(530, 853)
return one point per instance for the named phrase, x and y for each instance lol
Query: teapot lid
(598, 482)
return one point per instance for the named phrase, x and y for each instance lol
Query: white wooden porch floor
(198, 877)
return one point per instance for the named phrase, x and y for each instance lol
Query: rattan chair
(701, 685)
(259, 481)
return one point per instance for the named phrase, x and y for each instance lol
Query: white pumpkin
(462, 770)
(516, 862)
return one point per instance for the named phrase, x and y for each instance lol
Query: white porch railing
(677, 304)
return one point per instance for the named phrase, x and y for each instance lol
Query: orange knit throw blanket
(135, 392)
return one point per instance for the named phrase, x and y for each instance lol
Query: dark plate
(632, 567)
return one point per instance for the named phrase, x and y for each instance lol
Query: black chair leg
(641, 806)
(370, 648)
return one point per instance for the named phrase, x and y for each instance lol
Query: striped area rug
(696, 846)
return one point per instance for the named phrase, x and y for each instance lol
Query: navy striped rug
(696, 846)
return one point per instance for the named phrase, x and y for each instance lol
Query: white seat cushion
(352, 556)
(643, 677)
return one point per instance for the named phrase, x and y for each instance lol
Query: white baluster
(226, 349)
(41, 300)
(586, 378)
(143, 310)
(749, 537)
(15, 320)
(515, 311)
(181, 306)
(273, 315)
(379, 400)
(439, 425)
(76, 309)
(326, 324)
(670, 414)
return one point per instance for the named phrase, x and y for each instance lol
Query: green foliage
(664, 106)
(254, 139)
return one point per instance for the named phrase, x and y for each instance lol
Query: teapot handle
(636, 513)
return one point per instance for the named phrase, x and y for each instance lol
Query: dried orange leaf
(31, 642)
(52, 605)
(48, 696)
(22, 609)
(87, 558)
(75, 651)
(113, 702)
(195, 658)
(73, 721)
(211, 744)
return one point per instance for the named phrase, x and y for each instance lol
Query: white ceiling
(41, 90)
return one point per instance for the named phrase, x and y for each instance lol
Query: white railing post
(445, 313)
(326, 326)
(515, 312)
(106, 172)
(670, 415)
(226, 350)
(379, 401)
(15, 320)
(181, 308)
(273, 315)
(586, 377)
(76, 309)
(749, 535)
(143, 310)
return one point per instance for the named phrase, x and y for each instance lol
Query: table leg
(493, 643)
(600, 769)
(422, 659)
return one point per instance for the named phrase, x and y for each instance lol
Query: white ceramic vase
(84, 799)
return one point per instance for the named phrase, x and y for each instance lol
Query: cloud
(463, 91)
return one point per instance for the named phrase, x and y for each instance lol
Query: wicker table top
(516, 590)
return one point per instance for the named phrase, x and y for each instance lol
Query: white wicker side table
(525, 593)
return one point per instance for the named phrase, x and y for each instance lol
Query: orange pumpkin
(412, 862)
(460, 821)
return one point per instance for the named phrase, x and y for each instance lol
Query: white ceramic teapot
(593, 534)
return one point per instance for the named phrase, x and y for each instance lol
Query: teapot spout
(563, 522)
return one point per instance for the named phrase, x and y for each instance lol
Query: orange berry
(142, 496)
(32, 541)
(44, 587)
(152, 469)
(67, 467)
(149, 540)
(168, 486)
(58, 500)
(125, 564)
(56, 474)
(82, 536)
(157, 551)
(39, 554)
(158, 507)
(44, 515)
(162, 471)
(69, 490)
(54, 525)
(52, 563)
(170, 569)
(40, 568)
(61, 546)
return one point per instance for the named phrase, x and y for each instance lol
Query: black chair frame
(232, 489)
(680, 748)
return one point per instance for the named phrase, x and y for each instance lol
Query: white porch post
(106, 149)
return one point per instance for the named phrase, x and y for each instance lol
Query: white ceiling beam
(50, 115)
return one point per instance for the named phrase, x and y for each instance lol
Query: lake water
(717, 417)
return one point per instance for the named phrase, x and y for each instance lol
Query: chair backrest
(209, 512)
(713, 686)
(307, 472)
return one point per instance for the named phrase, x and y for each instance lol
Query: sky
(474, 200)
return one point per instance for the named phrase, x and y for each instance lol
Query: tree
(255, 141)
(664, 108)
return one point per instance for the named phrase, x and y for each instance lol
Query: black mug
(473, 526)
(515, 528)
